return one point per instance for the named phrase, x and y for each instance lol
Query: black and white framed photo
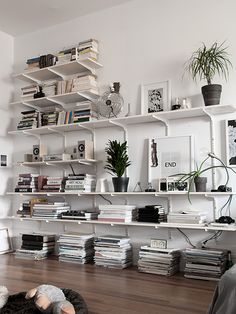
(5, 241)
(155, 97)
(168, 156)
(230, 142)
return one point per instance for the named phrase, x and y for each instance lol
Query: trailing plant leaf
(117, 158)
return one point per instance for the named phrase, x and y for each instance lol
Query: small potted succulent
(117, 162)
(205, 63)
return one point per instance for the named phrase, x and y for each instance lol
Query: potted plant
(205, 63)
(117, 162)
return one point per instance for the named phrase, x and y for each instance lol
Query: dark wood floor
(111, 291)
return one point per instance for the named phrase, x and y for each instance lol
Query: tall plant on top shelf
(117, 162)
(205, 63)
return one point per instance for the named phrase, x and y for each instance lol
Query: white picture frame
(174, 154)
(155, 97)
(230, 141)
(5, 241)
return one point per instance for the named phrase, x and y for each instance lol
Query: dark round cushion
(17, 304)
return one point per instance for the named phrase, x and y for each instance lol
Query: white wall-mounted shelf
(131, 224)
(131, 120)
(58, 71)
(88, 162)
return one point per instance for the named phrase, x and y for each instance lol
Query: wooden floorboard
(111, 291)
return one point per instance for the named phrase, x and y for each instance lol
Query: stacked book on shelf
(29, 120)
(32, 63)
(187, 217)
(158, 261)
(117, 213)
(84, 83)
(28, 92)
(49, 88)
(36, 246)
(79, 215)
(49, 117)
(83, 182)
(26, 207)
(66, 55)
(76, 248)
(206, 264)
(113, 251)
(27, 182)
(53, 184)
(152, 213)
(50, 210)
(88, 49)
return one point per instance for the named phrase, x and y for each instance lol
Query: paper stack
(117, 213)
(187, 217)
(50, 210)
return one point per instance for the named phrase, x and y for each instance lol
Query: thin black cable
(106, 199)
(186, 238)
(72, 169)
(226, 203)
(216, 235)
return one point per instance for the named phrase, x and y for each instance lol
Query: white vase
(102, 185)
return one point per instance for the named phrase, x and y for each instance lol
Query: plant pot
(120, 184)
(200, 184)
(211, 94)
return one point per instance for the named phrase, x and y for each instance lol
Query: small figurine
(150, 188)
(177, 105)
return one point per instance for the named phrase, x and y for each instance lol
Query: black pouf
(17, 304)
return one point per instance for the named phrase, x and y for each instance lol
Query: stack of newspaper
(76, 247)
(113, 251)
(207, 264)
(158, 261)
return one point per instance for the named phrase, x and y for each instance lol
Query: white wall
(6, 90)
(141, 42)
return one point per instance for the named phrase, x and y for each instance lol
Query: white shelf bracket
(167, 126)
(31, 106)
(60, 103)
(213, 198)
(61, 134)
(88, 129)
(212, 145)
(57, 73)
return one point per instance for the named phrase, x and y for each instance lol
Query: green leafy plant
(206, 62)
(117, 158)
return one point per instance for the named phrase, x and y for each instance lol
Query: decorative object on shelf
(155, 97)
(168, 156)
(3, 160)
(111, 103)
(186, 103)
(102, 185)
(231, 143)
(159, 243)
(40, 93)
(171, 184)
(177, 104)
(138, 185)
(117, 162)
(206, 63)
(150, 188)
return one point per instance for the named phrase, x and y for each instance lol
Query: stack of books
(158, 261)
(152, 213)
(81, 183)
(32, 63)
(113, 251)
(27, 182)
(80, 215)
(28, 92)
(65, 56)
(26, 207)
(36, 246)
(187, 217)
(84, 83)
(29, 120)
(49, 88)
(49, 117)
(76, 248)
(207, 264)
(53, 184)
(64, 87)
(84, 113)
(117, 213)
(88, 49)
(50, 210)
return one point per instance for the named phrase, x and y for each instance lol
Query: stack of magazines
(36, 246)
(207, 264)
(158, 261)
(113, 251)
(76, 248)
(50, 210)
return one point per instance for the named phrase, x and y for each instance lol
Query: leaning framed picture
(168, 156)
(230, 131)
(155, 97)
(5, 241)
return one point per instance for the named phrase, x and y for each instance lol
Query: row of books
(50, 210)
(32, 119)
(85, 49)
(51, 88)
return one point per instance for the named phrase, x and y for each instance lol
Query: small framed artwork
(155, 97)
(169, 156)
(230, 127)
